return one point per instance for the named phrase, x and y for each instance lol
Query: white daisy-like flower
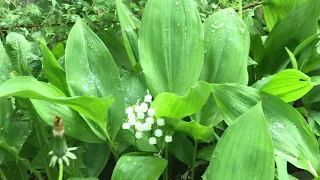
(158, 133)
(129, 110)
(146, 127)
(126, 126)
(148, 98)
(138, 135)
(149, 120)
(152, 140)
(160, 122)
(168, 139)
(151, 112)
(138, 126)
(140, 115)
(64, 158)
(144, 107)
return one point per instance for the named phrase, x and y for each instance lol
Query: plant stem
(3, 177)
(240, 8)
(60, 171)
(114, 151)
(166, 155)
(194, 160)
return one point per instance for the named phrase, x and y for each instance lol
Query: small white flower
(144, 107)
(64, 158)
(150, 120)
(168, 139)
(158, 133)
(138, 126)
(151, 112)
(132, 121)
(138, 109)
(131, 116)
(138, 135)
(152, 140)
(148, 98)
(129, 110)
(160, 122)
(126, 126)
(146, 127)
(140, 115)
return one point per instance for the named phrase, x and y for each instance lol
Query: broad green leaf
(181, 147)
(314, 121)
(29, 87)
(245, 150)
(5, 64)
(209, 114)
(95, 158)
(197, 131)
(58, 50)
(128, 24)
(171, 45)
(277, 10)
(141, 144)
(19, 51)
(312, 96)
(75, 126)
(134, 86)
(288, 85)
(91, 71)
(281, 168)
(81, 178)
(137, 166)
(292, 138)
(6, 113)
(290, 32)
(172, 105)
(226, 48)
(206, 152)
(52, 69)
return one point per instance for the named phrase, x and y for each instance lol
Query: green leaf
(58, 50)
(281, 168)
(95, 158)
(5, 64)
(172, 105)
(198, 132)
(137, 166)
(75, 126)
(91, 71)
(277, 10)
(128, 24)
(245, 150)
(292, 138)
(171, 45)
(290, 32)
(134, 86)
(80, 178)
(314, 121)
(292, 58)
(142, 144)
(181, 147)
(52, 69)
(28, 87)
(226, 45)
(6, 113)
(312, 96)
(206, 152)
(19, 51)
(288, 85)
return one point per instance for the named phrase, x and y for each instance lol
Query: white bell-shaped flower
(149, 120)
(168, 139)
(151, 112)
(148, 98)
(140, 115)
(144, 107)
(138, 135)
(158, 133)
(129, 110)
(138, 126)
(160, 122)
(152, 140)
(126, 126)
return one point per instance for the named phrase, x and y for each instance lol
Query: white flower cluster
(142, 118)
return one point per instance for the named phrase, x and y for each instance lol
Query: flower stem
(2, 175)
(60, 171)
(193, 165)
(240, 8)
(166, 155)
